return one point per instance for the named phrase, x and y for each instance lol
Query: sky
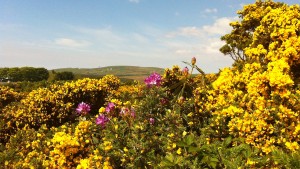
(98, 33)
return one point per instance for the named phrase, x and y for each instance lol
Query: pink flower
(153, 80)
(83, 108)
(102, 120)
(110, 107)
(185, 71)
(126, 112)
(151, 121)
(132, 113)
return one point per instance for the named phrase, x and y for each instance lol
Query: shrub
(56, 105)
(7, 96)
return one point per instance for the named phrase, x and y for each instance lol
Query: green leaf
(199, 70)
(193, 149)
(178, 160)
(166, 163)
(187, 63)
(227, 141)
(169, 161)
(182, 144)
(189, 139)
(170, 157)
(95, 140)
(176, 85)
(212, 162)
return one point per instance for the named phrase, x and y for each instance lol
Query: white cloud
(183, 52)
(213, 45)
(209, 13)
(67, 42)
(185, 31)
(211, 10)
(220, 26)
(134, 1)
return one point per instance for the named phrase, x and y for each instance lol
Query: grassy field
(123, 72)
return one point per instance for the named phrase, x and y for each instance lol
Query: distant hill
(123, 72)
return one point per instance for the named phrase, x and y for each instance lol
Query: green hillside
(123, 72)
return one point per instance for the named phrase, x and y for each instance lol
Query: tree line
(16, 74)
(31, 74)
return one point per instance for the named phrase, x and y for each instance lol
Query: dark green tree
(14, 74)
(4, 73)
(30, 74)
(64, 75)
(41, 74)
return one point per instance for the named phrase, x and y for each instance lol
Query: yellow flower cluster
(282, 25)
(65, 150)
(73, 149)
(259, 101)
(129, 91)
(172, 76)
(8, 95)
(88, 155)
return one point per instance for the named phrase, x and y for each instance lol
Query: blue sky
(98, 33)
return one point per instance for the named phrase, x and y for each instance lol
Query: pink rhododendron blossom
(153, 80)
(102, 120)
(83, 108)
(110, 107)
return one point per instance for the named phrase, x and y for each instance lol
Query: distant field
(123, 72)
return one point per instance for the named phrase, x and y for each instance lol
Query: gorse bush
(260, 101)
(246, 116)
(7, 96)
(56, 105)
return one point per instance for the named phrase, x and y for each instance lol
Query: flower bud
(151, 120)
(193, 61)
(181, 100)
(185, 71)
